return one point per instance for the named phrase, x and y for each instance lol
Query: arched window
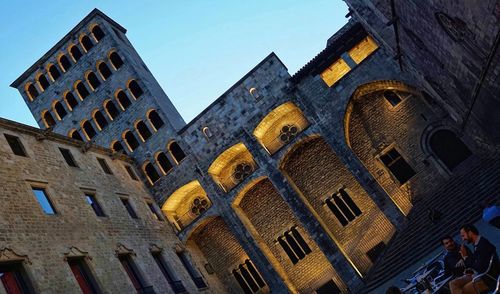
(81, 90)
(135, 89)
(117, 146)
(151, 173)
(143, 130)
(86, 43)
(59, 110)
(53, 72)
(64, 63)
(70, 100)
(449, 148)
(88, 129)
(116, 60)
(100, 120)
(131, 141)
(98, 33)
(123, 99)
(206, 131)
(111, 109)
(255, 94)
(93, 81)
(75, 135)
(48, 120)
(163, 162)
(176, 152)
(104, 70)
(75, 52)
(155, 120)
(31, 91)
(42, 82)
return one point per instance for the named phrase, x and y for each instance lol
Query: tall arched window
(75, 52)
(111, 109)
(31, 91)
(104, 70)
(131, 141)
(64, 63)
(151, 173)
(48, 120)
(70, 100)
(143, 130)
(88, 129)
(176, 151)
(86, 43)
(100, 120)
(116, 60)
(123, 99)
(75, 135)
(93, 81)
(155, 120)
(163, 162)
(81, 90)
(117, 146)
(449, 148)
(97, 33)
(135, 89)
(59, 110)
(53, 72)
(42, 82)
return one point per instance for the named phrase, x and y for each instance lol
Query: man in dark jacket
(476, 263)
(454, 264)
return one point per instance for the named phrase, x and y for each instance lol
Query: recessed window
(111, 109)
(392, 97)
(151, 173)
(31, 91)
(177, 286)
(176, 152)
(48, 119)
(104, 165)
(131, 141)
(116, 60)
(449, 148)
(154, 212)
(117, 146)
(98, 33)
(16, 145)
(104, 70)
(328, 288)
(93, 81)
(75, 135)
(376, 251)
(88, 129)
(343, 207)
(163, 162)
(248, 277)
(14, 279)
(43, 82)
(335, 72)
(59, 110)
(123, 99)
(44, 201)
(75, 53)
(135, 89)
(195, 276)
(86, 43)
(70, 160)
(129, 207)
(143, 130)
(294, 245)
(71, 100)
(131, 173)
(54, 72)
(83, 275)
(397, 165)
(133, 272)
(81, 90)
(91, 200)
(64, 63)
(155, 120)
(100, 120)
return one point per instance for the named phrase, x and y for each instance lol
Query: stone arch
(64, 62)
(92, 80)
(142, 130)
(75, 52)
(150, 171)
(99, 119)
(86, 42)
(447, 147)
(97, 32)
(154, 119)
(103, 69)
(163, 162)
(116, 60)
(232, 166)
(81, 90)
(31, 91)
(130, 140)
(176, 151)
(337, 200)
(59, 110)
(116, 146)
(48, 119)
(53, 72)
(135, 89)
(122, 99)
(74, 134)
(111, 110)
(42, 81)
(88, 129)
(70, 100)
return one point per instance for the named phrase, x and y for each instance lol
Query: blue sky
(196, 49)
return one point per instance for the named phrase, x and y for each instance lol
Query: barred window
(294, 245)
(343, 207)
(248, 277)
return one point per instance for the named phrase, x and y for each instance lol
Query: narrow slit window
(294, 245)
(132, 272)
(83, 275)
(44, 201)
(15, 145)
(68, 157)
(397, 165)
(343, 207)
(193, 273)
(128, 206)
(104, 165)
(96, 207)
(177, 286)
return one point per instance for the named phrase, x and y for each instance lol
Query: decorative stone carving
(76, 252)
(122, 249)
(7, 254)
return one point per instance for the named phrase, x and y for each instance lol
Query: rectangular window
(70, 160)
(363, 49)
(154, 211)
(294, 245)
(104, 165)
(177, 286)
(43, 200)
(129, 207)
(16, 145)
(375, 252)
(131, 173)
(14, 279)
(335, 72)
(83, 276)
(397, 165)
(343, 207)
(248, 277)
(132, 272)
(193, 273)
(94, 204)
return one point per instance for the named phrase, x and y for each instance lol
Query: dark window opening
(131, 140)
(164, 163)
(75, 135)
(397, 165)
(82, 90)
(131, 173)
(143, 130)
(75, 53)
(64, 62)
(94, 204)
(177, 286)
(16, 145)
(100, 120)
(111, 109)
(89, 130)
(376, 251)
(154, 212)
(83, 276)
(98, 33)
(43, 82)
(343, 207)
(87, 43)
(48, 119)
(193, 273)
(151, 172)
(54, 72)
(133, 272)
(129, 208)
(32, 91)
(68, 157)
(248, 278)
(294, 245)
(176, 151)
(116, 60)
(392, 97)
(329, 288)
(93, 81)
(59, 109)
(44, 201)
(123, 99)
(104, 70)
(449, 148)
(155, 119)
(117, 146)
(104, 165)
(14, 278)
(71, 100)
(135, 89)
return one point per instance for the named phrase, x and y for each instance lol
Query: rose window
(288, 132)
(242, 171)
(199, 206)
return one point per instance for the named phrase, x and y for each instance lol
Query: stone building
(311, 183)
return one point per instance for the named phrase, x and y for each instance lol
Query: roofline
(49, 135)
(65, 39)
(272, 54)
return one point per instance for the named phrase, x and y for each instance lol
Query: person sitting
(454, 265)
(476, 263)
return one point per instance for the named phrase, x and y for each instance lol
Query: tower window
(31, 91)
(43, 200)
(176, 152)
(91, 200)
(155, 120)
(392, 97)
(143, 130)
(116, 60)
(343, 207)
(111, 109)
(397, 165)
(48, 119)
(151, 173)
(135, 89)
(54, 72)
(129, 208)
(75, 53)
(68, 157)
(104, 165)
(75, 135)
(449, 148)
(98, 33)
(93, 81)
(70, 100)
(123, 99)
(64, 63)
(117, 146)
(294, 245)
(163, 162)
(104, 70)
(16, 145)
(59, 110)
(88, 129)
(81, 90)
(86, 43)
(131, 140)
(43, 82)
(83, 275)
(248, 277)
(131, 173)
(100, 120)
